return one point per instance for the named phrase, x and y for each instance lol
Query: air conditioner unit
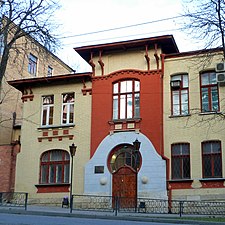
(220, 67)
(175, 84)
(220, 77)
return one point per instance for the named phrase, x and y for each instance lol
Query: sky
(81, 21)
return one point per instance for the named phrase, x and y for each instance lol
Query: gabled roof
(166, 42)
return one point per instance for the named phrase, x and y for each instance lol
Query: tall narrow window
(2, 45)
(32, 65)
(179, 92)
(126, 99)
(68, 108)
(47, 110)
(180, 161)
(50, 71)
(209, 92)
(211, 159)
(55, 167)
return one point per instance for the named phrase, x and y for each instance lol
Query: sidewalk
(145, 217)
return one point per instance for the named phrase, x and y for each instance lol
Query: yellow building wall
(17, 68)
(125, 60)
(197, 127)
(28, 160)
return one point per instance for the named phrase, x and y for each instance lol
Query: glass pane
(136, 86)
(44, 173)
(48, 100)
(216, 147)
(176, 170)
(186, 167)
(137, 106)
(185, 81)
(215, 99)
(51, 115)
(123, 87)
(176, 149)
(115, 88)
(185, 149)
(51, 174)
(115, 107)
(58, 173)
(44, 116)
(129, 86)
(44, 157)
(71, 113)
(176, 77)
(66, 173)
(184, 102)
(69, 97)
(67, 156)
(212, 78)
(122, 106)
(204, 79)
(176, 99)
(56, 155)
(207, 168)
(217, 166)
(205, 100)
(206, 148)
(129, 106)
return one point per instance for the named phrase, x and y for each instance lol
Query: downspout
(168, 187)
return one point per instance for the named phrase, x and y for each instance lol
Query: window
(180, 161)
(209, 92)
(47, 110)
(32, 65)
(50, 71)
(179, 92)
(211, 159)
(67, 108)
(126, 99)
(55, 167)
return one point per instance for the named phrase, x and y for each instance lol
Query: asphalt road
(15, 219)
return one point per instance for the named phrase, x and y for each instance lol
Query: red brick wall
(7, 167)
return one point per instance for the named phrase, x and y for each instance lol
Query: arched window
(126, 99)
(54, 167)
(124, 155)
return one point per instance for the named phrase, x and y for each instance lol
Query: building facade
(140, 90)
(27, 59)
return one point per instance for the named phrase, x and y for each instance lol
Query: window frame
(212, 160)
(49, 108)
(32, 64)
(50, 71)
(69, 109)
(209, 88)
(180, 89)
(120, 99)
(181, 158)
(65, 163)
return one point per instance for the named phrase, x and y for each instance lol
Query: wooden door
(125, 186)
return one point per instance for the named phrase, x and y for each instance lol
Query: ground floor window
(54, 168)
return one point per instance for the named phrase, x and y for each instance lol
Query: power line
(123, 27)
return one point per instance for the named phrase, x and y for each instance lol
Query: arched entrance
(124, 165)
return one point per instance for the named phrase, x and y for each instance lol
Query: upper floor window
(126, 99)
(211, 159)
(50, 71)
(180, 161)
(67, 108)
(47, 110)
(209, 92)
(179, 95)
(32, 65)
(54, 168)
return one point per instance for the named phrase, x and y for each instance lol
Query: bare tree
(205, 21)
(26, 18)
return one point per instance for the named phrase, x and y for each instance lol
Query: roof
(166, 42)
(46, 81)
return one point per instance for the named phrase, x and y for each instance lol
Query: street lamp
(73, 149)
(136, 145)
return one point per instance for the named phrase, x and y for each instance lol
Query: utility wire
(123, 27)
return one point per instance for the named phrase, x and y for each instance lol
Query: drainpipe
(168, 187)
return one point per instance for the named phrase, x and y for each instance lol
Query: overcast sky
(80, 17)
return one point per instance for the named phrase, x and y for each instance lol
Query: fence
(13, 199)
(146, 205)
